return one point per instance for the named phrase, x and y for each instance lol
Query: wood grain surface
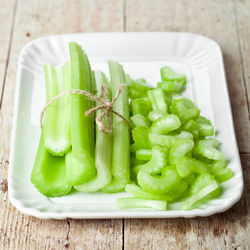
(225, 21)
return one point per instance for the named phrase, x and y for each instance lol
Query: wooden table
(225, 21)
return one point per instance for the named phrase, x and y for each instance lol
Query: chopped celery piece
(192, 127)
(224, 174)
(221, 173)
(140, 121)
(121, 133)
(179, 149)
(185, 165)
(137, 88)
(157, 100)
(140, 137)
(168, 140)
(48, 173)
(103, 150)
(141, 203)
(144, 154)
(154, 115)
(165, 124)
(137, 192)
(205, 127)
(141, 106)
(171, 86)
(80, 167)
(185, 109)
(57, 116)
(156, 164)
(167, 74)
(189, 178)
(209, 149)
(158, 184)
(171, 81)
(203, 193)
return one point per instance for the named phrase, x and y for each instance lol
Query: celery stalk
(57, 116)
(103, 151)
(80, 166)
(129, 202)
(121, 136)
(48, 173)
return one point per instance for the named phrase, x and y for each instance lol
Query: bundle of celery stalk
(173, 155)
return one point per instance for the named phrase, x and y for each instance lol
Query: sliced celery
(144, 154)
(158, 185)
(185, 109)
(141, 203)
(185, 165)
(209, 148)
(140, 121)
(190, 202)
(140, 137)
(157, 100)
(156, 164)
(48, 173)
(121, 134)
(57, 116)
(137, 192)
(103, 151)
(80, 167)
(165, 124)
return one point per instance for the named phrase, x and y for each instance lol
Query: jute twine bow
(104, 104)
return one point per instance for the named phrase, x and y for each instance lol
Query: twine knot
(105, 105)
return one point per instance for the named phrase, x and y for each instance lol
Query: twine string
(105, 105)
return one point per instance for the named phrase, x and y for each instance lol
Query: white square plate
(142, 55)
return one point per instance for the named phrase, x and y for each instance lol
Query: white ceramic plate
(142, 54)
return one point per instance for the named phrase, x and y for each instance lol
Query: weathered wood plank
(6, 21)
(243, 25)
(215, 19)
(229, 230)
(35, 19)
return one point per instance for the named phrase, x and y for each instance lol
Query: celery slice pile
(169, 155)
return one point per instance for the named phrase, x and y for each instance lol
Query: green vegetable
(140, 121)
(158, 184)
(140, 137)
(168, 140)
(141, 203)
(192, 127)
(221, 173)
(209, 148)
(205, 127)
(179, 149)
(48, 173)
(144, 154)
(185, 165)
(80, 167)
(171, 81)
(103, 150)
(165, 124)
(57, 116)
(185, 109)
(137, 88)
(141, 106)
(154, 115)
(121, 136)
(157, 100)
(140, 193)
(156, 164)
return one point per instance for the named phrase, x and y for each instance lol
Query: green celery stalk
(129, 202)
(121, 135)
(103, 151)
(57, 116)
(48, 173)
(80, 167)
